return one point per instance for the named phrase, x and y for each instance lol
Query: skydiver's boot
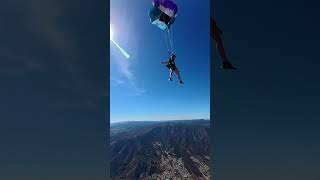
(181, 82)
(227, 65)
(170, 79)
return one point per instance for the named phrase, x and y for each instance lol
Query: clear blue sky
(139, 87)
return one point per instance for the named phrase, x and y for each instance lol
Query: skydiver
(216, 34)
(171, 65)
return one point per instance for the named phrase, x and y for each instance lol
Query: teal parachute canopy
(163, 14)
(160, 18)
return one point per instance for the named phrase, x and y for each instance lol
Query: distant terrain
(149, 150)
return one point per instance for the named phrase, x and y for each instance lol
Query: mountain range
(160, 150)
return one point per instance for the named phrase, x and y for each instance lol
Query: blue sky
(139, 86)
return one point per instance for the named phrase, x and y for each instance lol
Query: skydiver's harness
(171, 65)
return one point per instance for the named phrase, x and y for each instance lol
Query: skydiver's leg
(170, 75)
(178, 75)
(221, 50)
(226, 64)
(216, 34)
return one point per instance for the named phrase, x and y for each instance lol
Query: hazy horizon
(124, 121)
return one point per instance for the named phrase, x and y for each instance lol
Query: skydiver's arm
(164, 62)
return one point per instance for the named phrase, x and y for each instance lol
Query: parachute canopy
(163, 13)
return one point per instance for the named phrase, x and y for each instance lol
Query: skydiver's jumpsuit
(171, 65)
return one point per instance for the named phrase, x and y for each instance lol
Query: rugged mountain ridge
(160, 150)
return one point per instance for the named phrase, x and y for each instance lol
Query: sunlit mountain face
(160, 150)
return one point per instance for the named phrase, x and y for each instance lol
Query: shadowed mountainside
(160, 150)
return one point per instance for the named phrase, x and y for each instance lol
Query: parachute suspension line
(171, 33)
(171, 36)
(170, 39)
(165, 39)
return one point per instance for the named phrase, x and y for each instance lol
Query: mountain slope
(160, 150)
